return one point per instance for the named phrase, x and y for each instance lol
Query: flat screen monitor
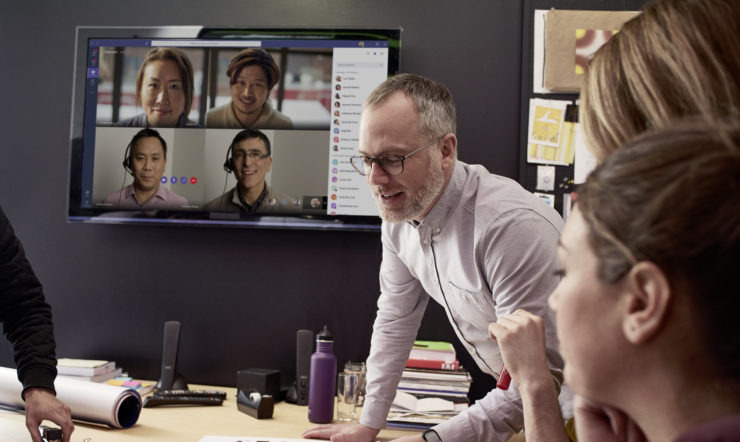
(224, 126)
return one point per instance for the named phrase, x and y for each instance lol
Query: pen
(504, 379)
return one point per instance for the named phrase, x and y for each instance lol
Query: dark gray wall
(241, 294)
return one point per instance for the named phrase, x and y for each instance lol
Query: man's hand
(521, 338)
(342, 433)
(598, 422)
(42, 404)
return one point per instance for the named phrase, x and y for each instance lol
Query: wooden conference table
(187, 423)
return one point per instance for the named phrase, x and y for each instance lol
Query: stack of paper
(434, 393)
(141, 387)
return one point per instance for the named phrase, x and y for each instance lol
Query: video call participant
(26, 319)
(252, 75)
(477, 243)
(164, 87)
(145, 159)
(658, 284)
(249, 158)
(678, 58)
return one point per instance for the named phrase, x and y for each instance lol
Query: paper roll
(106, 404)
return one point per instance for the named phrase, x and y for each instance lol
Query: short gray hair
(433, 101)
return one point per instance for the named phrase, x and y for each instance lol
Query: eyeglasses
(391, 164)
(251, 155)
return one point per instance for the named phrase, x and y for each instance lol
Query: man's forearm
(543, 420)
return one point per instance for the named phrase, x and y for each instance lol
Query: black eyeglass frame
(385, 158)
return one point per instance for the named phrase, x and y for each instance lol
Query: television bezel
(77, 214)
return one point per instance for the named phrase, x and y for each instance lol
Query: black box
(262, 380)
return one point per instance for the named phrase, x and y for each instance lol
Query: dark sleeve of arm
(25, 315)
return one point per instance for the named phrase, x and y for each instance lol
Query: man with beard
(477, 243)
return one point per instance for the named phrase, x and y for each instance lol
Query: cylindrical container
(348, 384)
(322, 384)
(361, 370)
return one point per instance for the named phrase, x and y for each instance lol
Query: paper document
(412, 403)
(247, 439)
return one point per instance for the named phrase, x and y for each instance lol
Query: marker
(504, 379)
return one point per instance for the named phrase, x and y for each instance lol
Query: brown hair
(672, 197)
(677, 59)
(254, 56)
(183, 65)
(433, 101)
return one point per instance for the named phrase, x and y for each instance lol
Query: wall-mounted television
(220, 126)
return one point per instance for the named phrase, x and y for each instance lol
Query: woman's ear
(647, 300)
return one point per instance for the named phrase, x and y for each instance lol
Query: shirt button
(426, 241)
(437, 230)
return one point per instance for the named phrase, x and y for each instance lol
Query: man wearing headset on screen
(249, 157)
(145, 159)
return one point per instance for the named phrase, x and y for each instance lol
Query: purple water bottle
(322, 385)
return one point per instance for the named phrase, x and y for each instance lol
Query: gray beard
(416, 203)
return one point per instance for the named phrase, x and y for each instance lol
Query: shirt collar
(438, 216)
(243, 202)
(160, 193)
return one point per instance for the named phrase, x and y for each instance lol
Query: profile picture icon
(315, 203)
(339, 78)
(336, 139)
(336, 122)
(336, 104)
(338, 87)
(336, 113)
(337, 96)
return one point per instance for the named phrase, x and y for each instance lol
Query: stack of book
(88, 369)
(101, 371)
(433, 387)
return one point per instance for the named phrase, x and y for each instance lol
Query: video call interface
(319, 94)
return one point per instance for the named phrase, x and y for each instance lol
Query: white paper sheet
(585, 161)
(89, 401)
(247, 439)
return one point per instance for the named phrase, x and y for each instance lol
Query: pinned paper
(546, 119)
(585, 162)
(548, 198)
(589, 41)
(546, 178)
(551, 132)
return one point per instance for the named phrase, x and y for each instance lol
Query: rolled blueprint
(106, 404)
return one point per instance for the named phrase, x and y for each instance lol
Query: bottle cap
(324, 335)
